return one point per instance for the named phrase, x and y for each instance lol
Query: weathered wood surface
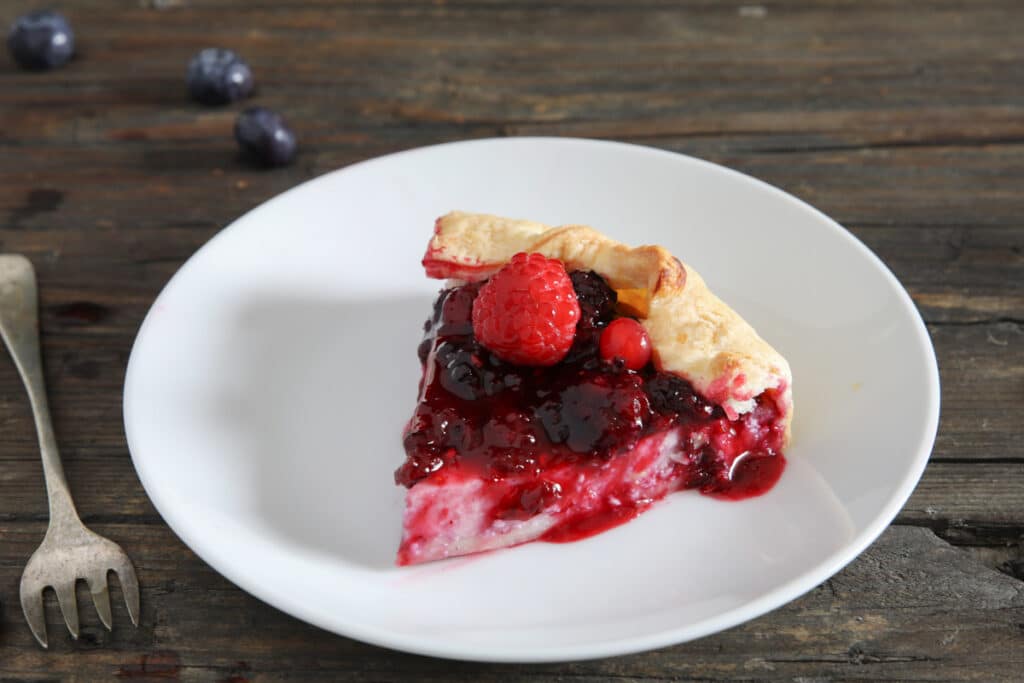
(911, 608)
(905, 121)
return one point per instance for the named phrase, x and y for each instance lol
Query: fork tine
(101, 597)
(68, 605)
(32, 606)
(129, 587)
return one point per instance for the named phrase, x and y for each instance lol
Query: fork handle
(19, 326)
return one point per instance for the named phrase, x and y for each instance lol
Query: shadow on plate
(318, 390)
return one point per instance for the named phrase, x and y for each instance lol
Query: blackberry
(597, 308)
(670, 394)
(597, 300)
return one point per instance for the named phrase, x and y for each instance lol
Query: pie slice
(569, 382)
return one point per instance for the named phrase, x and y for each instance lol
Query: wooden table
(903, 121)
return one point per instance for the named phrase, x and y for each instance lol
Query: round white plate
(268, 387)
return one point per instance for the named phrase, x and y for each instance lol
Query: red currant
(627, 339)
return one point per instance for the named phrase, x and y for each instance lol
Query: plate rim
(778, 596)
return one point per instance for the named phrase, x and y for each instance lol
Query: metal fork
(69, 550)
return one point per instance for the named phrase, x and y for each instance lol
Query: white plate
(268, 387)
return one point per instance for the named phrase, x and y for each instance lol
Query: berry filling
(550, 441)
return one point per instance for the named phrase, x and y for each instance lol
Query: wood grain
(904, 121)
(886, 617)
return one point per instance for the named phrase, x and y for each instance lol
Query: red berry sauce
(530, 431)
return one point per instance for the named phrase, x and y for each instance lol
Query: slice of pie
(569, 382)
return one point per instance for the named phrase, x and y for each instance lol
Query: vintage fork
(69, 550)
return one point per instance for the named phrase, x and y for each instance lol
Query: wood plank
(970, 504)
(963, 271)
(982, 374)
(934, 187)
(844, 102)
(910, 608)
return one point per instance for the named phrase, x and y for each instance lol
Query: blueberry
(41, 40)
(264, 137)
(218, 76)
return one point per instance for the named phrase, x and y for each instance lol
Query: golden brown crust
(693, 333)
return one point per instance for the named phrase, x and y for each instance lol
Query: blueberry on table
(218, 76)
(41, 40)
(264, 137)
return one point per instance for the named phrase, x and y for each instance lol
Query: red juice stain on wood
(155, 666)
(236, 674)
(81, 312)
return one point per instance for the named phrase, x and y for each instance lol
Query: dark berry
(597, 308)
(670, 395)
(419, 465)
(264, 137)
(456, 312)
(597, 300)
(452, 429)
(423, 350)
(41, 40)
(626, 339)
(605, 414)
(512, 431)
(527, 501)
(218, 76)
(459, 370)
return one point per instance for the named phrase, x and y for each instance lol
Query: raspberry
(527, 312)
